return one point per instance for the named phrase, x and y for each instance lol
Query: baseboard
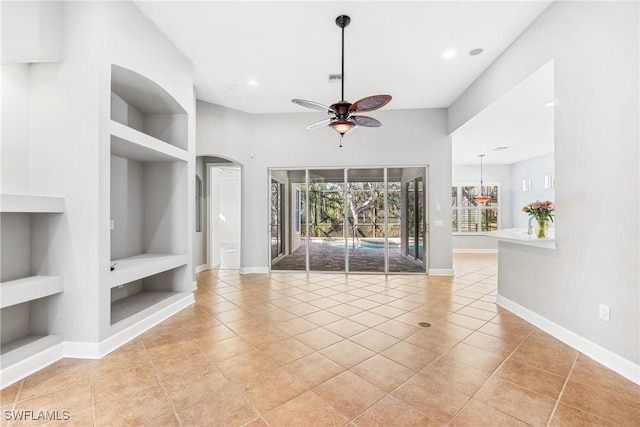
(32, 364)
(202, 267)
(624, 367)
(440, 272)
(84, 350)
(254, 270)
(475, 251)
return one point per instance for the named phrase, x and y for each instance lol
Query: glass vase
(542, 228)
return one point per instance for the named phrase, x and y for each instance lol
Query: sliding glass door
(360, 220)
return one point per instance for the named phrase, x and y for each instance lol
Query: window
(469, 216)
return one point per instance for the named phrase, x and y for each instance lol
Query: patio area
(330, 257)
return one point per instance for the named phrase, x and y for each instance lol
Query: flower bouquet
(543, 213)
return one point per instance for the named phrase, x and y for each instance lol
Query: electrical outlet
(438, 223)
(604, 312)
(438, 207)
(112, 224)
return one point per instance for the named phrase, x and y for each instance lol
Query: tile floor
(323, 349)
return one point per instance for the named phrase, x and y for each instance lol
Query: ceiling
(522, 121)
(289, 48)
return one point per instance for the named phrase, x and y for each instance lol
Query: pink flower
(542, 211)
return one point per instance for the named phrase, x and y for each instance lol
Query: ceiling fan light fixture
(342, 126)
(344, 114)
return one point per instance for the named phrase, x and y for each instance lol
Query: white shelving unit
(120, 147)
(31, 204)
(28, 287)
(148, 202)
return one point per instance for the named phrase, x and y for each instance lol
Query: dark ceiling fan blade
(312, 105)
(320, 123)
(365, 121)
(370, 103)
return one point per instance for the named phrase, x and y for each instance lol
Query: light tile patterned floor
(292, 349)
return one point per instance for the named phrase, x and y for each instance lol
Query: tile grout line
(14, 404)
(164, 389)
(93, 400)
(564, 386)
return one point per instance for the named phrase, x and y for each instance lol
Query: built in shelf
(137, 306)
(20, 349)
(22, 203)
(140, 266)
(132, 144)
(29, 288)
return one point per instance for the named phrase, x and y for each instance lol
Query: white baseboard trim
(624, 367)
(32, 364)
(254, 270)
(475, 251)
(440, 272)
(86, 350)
(202, 267)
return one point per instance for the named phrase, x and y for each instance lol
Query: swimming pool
(368, 243)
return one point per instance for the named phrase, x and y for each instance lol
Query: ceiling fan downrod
(342, 21)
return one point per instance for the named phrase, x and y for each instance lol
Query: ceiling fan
(344, 114)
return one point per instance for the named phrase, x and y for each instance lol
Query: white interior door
(225, 217)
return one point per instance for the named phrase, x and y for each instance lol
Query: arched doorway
(218, 244)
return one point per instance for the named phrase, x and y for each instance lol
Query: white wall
(16, 109)
(32, 31)
(408, 138)
(534, 169)
(199, 237)
(595, 50)
(213, 217)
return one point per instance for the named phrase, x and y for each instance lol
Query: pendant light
(481, 198)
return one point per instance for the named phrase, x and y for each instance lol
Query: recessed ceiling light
(501, 148)
(476, 52)
(231, 86)
(549, 104)
(447, 54)
(252, 83)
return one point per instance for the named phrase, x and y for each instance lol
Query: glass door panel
(420, 219)
(277, 222)
(366, 220)
(325, 215)
(287, 249)
(406, 206)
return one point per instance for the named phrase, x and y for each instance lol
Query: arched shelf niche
(141, 104)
